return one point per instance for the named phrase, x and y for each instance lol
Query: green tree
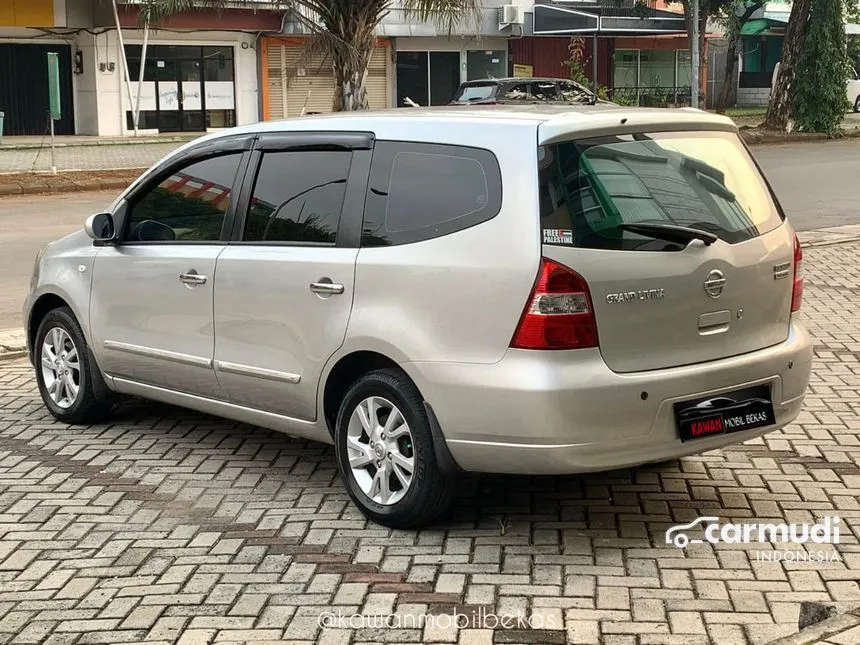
(343, 29)
(818, 102)
(737, 14)
(707, 9)
(778, 115)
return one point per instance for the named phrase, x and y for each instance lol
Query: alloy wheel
(61, 367)
(380, 450)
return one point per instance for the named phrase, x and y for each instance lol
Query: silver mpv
(527, 290)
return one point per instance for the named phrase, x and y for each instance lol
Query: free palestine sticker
(557, 236)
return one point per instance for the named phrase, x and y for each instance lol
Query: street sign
(54, 86)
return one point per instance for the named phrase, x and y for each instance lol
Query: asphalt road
(817, 184)
(28, 223)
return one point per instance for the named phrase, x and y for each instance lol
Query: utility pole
(122, 55)
(694, 57)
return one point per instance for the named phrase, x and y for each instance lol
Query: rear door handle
(327, 288)
(192, 278)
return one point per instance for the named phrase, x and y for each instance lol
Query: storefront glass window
(184, 88)
(657, 68)
(625, 66)
(486, 64)
(685, 69)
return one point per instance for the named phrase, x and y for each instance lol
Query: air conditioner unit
(510, 14)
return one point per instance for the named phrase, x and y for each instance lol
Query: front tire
(384, 449)
(64, 371)
(857, 104)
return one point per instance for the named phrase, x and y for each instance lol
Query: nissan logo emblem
(714, 283)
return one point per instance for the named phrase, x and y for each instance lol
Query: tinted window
(544, 91)
(471, 93)
(574, 92)
(519, 92)
(701, 180)
(298, 196)
(421, 191)
(187, 206)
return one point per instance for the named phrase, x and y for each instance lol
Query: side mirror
(100, 227)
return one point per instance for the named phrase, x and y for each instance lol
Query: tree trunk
(725, 92)
(733, 33)
(350, 61)
(779, 107)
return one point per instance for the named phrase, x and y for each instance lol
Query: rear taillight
(797, 288)
(558, 314)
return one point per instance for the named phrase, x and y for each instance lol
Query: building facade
(200, 70)
(205, 70)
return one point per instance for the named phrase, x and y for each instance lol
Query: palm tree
(342, 29)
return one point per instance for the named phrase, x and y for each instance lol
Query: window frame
(359, 144)
(240, 145)
(495, 188)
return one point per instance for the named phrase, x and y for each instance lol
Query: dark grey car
(519, 90)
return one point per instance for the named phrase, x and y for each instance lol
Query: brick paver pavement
(166, 527)
(101, 157)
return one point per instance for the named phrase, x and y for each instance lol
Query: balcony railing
(644, 96)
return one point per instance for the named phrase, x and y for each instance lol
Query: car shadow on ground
(626, 508)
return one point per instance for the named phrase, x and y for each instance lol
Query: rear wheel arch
(346, 371)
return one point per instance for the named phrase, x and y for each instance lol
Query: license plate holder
(718, 414)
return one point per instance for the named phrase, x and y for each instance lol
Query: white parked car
(853, 89)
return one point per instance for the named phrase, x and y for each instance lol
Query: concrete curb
(50, 185)
(759, 138)
(822, 631)
(8, 356)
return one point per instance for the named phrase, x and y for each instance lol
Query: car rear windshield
(471, 93)
(701, 180)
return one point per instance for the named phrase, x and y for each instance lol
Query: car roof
(553, 120)
(515, 79)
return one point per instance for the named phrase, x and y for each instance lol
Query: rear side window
(298, 196)
(420, 191)
(519, 92)
(703, 180)
(544, 91)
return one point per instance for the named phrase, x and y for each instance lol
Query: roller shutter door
(300, 83)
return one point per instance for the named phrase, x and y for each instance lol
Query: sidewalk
(87, 156)
(28, 142)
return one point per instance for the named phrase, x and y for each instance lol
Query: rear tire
(64, 371)
(857, 104)
(375, 467)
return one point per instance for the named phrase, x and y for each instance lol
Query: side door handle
(326, 287)
(191, 278)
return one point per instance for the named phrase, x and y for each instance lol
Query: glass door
(169, 117)
(191, 96)
(444, 76)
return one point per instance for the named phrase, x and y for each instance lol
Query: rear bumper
(566, 412)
